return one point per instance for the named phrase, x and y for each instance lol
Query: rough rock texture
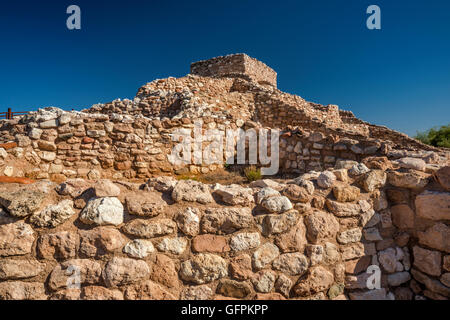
(358, 195)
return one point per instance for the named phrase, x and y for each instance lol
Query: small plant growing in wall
(252, 173)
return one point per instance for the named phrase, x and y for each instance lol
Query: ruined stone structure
(108, 202)
(236, 66)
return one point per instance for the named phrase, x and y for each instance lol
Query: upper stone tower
(236, 65)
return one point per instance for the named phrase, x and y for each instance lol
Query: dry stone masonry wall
(107, 204)
(313, 237)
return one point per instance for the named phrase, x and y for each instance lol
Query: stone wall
(236, 65)
(312, 237)
(57, 145)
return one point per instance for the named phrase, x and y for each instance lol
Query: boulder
(203, 268)
(125, 271)
(191, 191)
(53, 215)
(103, 211)
(433, 205)
(16, 239)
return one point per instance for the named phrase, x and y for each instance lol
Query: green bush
(437, 137)
(252, 173)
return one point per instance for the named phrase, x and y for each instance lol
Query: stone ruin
(94, 190)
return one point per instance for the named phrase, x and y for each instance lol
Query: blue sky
(398, 76)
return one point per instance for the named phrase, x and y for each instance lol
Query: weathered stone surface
(433, 205)
(291, 263)
(66, 294)
(232, 288)
(21, 201)
(446, 263)
(106, 188)
(443, 176)
(373, 180)
(402, 216)
(436, 237)
(277, 204)
(321, 226)
(172, 245)
(266, 193)
(204, 268)
(139, 248)
(66, 274)
(188, 221)
(279, 224)
(357, 250)
(283, 285)
(372, 234)
(412, 163)
(346, 193)
(445, 279)
(241, 267)
(296, 193)
(358, 169)
(124, 271)
(147, 290)
(410, 180)
(318, 279)
(331, 254)
(103, 211)
(326, 179)
(22, 291)
(98, 293)
(265, 255)
(150, 228)
(16, 239)
(268, 296)
(164, 271)
(53, 215)
(389, 259)
(377, 294)
(100, 241)
(245, 241)
(293, 240)
(234, 194)
(202, 292)
(191, 191)
(358, 265)
(210, 243)
(73, 187)
(226, 220)
(14, 269)
(397, 279)
(59, 246)
(264, 281)
(427, 261)
(349, 236)
(145, 204)
(431, 284)
(162, 183)
(343, 209)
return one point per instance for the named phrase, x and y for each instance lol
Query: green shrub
(437, 137)
(252, 173)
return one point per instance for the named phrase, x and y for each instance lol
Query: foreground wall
(309, 238)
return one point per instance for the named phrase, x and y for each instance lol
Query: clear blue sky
(398, 76)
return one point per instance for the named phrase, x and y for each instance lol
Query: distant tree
(438, 137)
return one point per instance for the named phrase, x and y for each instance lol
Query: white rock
(326, 179)
(103, 211)
(266, 193)
(139, 248)
(245, 241)
(54, 215)
(8, 171)
(173, 245)
(277, 204)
